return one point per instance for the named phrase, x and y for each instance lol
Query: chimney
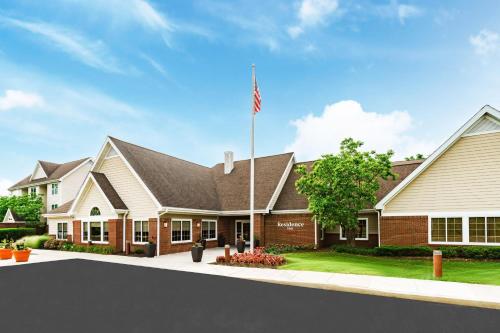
(228, 162)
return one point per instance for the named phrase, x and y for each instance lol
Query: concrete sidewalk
(438, 291)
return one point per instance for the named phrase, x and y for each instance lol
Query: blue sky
(175, 76)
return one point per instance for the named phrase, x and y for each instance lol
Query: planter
(197, 253)
(5, 254)
(240, 245)
(221, 241)
(21, 255)
(150, 250)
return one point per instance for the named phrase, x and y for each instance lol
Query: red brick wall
(334, 239)
(259, 228)
(115, 234)
(77, 232)
(403, 230)
(12, 225)
(281, 235)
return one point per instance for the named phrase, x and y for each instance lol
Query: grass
(483, 272)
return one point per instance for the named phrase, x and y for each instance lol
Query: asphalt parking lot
(91, 296)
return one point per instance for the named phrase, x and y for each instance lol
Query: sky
(175, 76)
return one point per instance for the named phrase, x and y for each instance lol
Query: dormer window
(95, 212)
(33, 191)
(55, 188)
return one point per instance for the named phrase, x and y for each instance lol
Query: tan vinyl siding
(128, 188)
(93, 198)
(466, 177)
(52, 223)
(70, 186)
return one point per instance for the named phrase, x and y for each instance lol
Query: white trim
(177, 210)
(142, 231)
(247, 241)
(190, 230)
(201, 229)
(76, 168)
(480, 133)
(465, 227)
(291, 211)
(437, 153)
(89, 220)
(139, 179)
(56, 215)
(281, 183)
(38, 165)
(363, 238)
(57, 230)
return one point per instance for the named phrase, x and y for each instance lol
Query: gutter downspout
(158, 243)
(378, 226)
(315, 234)
(124, 227)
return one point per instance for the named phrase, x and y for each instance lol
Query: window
(55, 188)
(54, 206)
(477, 229)
(362, 230)
(181, 231)
(62, 230)
(493, 230)
(446, 229)
(141, 231)
(95, 232)
(208, 230)
(95, 212)
(33, 191)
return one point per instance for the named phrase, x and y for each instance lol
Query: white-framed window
(54, 188)
(95, 231)
(62, 230)
(209, 229)
(33, 191)
(484, 229)
(54, 206)
(141, 232)
(181, 230)
(446, 230)
(362, 230)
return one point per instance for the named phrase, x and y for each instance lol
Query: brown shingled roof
(182, 184)
(53, 171)
(109, 190)
(290, 199)
(64, 208)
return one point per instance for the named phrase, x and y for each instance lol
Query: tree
(339, 186)
(416, 157)
(27, 206)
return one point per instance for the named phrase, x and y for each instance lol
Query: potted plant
(5, 249)
(221, 240)
(203, 243)
(21, 253)
(150, 249)
(197, 252)
(240, 245)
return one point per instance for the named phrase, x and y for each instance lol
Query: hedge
(16, 233)
(54, 244)
(467, 252)
(287, 248)
(34, 242)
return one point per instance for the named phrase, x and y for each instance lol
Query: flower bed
(257, 259)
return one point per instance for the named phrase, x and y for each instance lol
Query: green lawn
(485, 272)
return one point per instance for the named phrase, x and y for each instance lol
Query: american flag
(256, 98)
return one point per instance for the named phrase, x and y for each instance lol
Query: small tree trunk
(351, 237)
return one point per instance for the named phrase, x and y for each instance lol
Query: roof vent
(228, 162)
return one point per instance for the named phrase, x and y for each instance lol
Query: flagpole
(252, 166)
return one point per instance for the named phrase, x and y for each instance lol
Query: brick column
(115, 234)
(77, 232)
(259, 230)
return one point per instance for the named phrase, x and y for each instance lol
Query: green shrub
(403, 251)
(34, 242)
(53, 244)
(287, 248)
(471, 252)
(16, 233)
(353, 250)
(139, 251)
(68, 246)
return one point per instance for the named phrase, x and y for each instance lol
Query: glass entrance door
(243, 230)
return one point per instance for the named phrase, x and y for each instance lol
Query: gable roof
(177, 183)
(63, 209)
(53, 171)
(109, 191)
(10, 212)
(290, 199)
(485, 110)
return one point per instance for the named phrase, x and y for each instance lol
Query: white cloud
(312, 13)
(92, 53)
(4, 185)
(485, 43)
(318, 135)
(19, 99)
(407, 11)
